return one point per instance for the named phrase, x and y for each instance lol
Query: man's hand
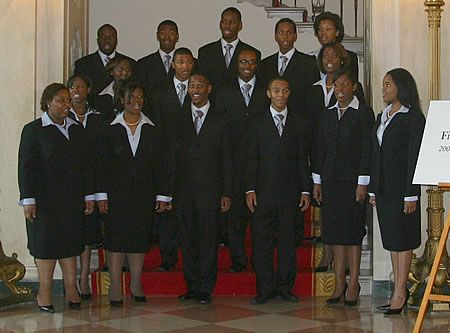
(372, 201)
(30, 212)
(89, 207)
(304, 202)
(317, 193)
(410, 207)
(225, 204)
(161, 206)
(361, 193)
(251, 201)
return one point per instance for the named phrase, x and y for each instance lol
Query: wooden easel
(428, 296)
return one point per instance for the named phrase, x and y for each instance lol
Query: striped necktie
(279, 123)
(198, 120)
(228, 48)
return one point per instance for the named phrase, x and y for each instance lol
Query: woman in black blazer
(341, 174)
(396, 140)
(130, 174)
(56, 191)
(79, 88)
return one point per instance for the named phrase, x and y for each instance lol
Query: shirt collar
(103, 56)
(385, 114)
(47, 121)
(176, 81)
(162, 54)
(88, 112)
(252, 81)
(275, 112)
(322, 82)
(234, 43)
(204, 109)
(288, 54)
(109, 90)
(354, 104)
(120, 120)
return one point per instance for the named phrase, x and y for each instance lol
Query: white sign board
(433, 165)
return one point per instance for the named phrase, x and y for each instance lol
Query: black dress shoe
(75, 305)
(139, 299)
(237, 268)
(204, 299)
(125, 269)
(47, 308)
(118, 303)
(165, 268)
(85, 296)
(189, 296)
(287, 296)
(260, 299)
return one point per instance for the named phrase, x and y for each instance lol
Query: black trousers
(274, 225)
(238, 217)
(167, 231)
(198, 235)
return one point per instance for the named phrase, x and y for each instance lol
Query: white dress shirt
(88, 112)
(204, 109)
(109, 90)
(288, 55)
(104, 56)
(385, 120)
(354, 104)
(252, 82)
(327, 94)
(176, 82)
(162, 54)
(64, 129)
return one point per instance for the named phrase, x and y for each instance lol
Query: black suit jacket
(301, 72)
(202, 163)
(212, 61)
(394, 163)
(92, 66)
(164, 103)
(277, 168)
(344, 146)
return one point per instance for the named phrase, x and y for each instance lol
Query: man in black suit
(155, 69)
(93, 65)
(203, 184)
(239, 101)
(278, 186)
(218, 59)
(168, 103)
(298, 68)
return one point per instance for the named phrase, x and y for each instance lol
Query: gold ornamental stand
(428, 296)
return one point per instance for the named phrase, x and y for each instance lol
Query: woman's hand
(372, 201)
(361, 193)
(317, 193)
(161, 206)
(30, 212)
(103, 206)
(89, 207)
(409, 207)
(304, 202)
(250, 198)
(225, 204)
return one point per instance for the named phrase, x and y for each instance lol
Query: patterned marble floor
(225, 314)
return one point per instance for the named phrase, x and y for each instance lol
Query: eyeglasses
(248, 62)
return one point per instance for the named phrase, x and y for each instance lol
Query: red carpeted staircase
(244, 283)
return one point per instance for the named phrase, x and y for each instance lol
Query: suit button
(246, 113)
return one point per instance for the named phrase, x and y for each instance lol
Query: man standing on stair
(277, 190)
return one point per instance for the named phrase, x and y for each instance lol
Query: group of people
(198, 147)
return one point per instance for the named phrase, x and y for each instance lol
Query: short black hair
(86, 79)
(286, 20)
(49, 93)
(345, 71)
(106, 25)
(337, 23)
(233, 10)
(126, 88)
(182, 51)
(200, 73)
(340, 50)
(168, 22)
(407, 93)
(277, 78)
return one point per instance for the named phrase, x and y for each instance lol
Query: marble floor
(224, 314)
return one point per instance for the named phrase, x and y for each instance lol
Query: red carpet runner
(172, 283)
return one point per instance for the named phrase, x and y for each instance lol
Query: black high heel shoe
(84, 296)
(354, 302)
(139, 299)
(338, 299)
(403, 308)
(47, 308)
(117, 304)
(320, 269)
(74, 305)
